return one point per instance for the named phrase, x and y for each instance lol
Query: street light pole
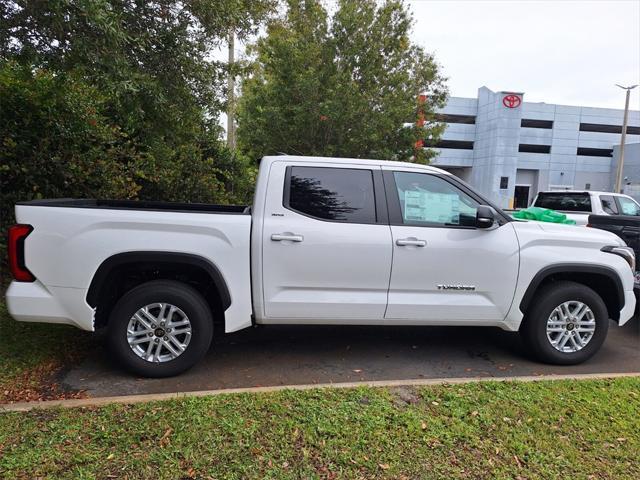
(618, 187)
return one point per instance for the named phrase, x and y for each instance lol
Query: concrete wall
(631, 169)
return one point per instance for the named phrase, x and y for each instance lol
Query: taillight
(17, 235)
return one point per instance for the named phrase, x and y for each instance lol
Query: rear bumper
(629, 307)
(33, 302)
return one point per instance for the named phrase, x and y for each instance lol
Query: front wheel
(566, 324)
(160, 328)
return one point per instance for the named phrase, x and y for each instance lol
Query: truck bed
(71, 239)
(140, 205)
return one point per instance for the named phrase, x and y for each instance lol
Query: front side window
(608, 204)
(628, 206)
(335, 194)
(432, 201)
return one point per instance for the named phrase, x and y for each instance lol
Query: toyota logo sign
(511, 100)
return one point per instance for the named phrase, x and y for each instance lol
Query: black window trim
(381, 211)
(395, 211)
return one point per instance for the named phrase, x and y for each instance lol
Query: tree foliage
(118, 99)
(339, 85)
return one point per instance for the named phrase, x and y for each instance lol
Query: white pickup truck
(577, 205)
(327, 241)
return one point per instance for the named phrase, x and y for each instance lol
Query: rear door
(444, 268)
(326, 243)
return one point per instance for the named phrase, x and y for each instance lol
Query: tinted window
(570, 202)
(609, 204)
(337, 194)
(628, 206)
(429, 200)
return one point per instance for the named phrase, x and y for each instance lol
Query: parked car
(327, 241)
(578, 205)
(626, 227)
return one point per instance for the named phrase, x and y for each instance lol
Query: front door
(326, 243)
(444, 268)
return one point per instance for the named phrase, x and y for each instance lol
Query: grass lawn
(32, 355)
(563, 429)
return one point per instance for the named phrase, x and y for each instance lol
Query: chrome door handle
(415, 242)
(291, 237)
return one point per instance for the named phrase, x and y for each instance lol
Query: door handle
(415, 242)
(291, 237)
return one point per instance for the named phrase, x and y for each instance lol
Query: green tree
(118, 99)
(345, 85)
(153, 60)
(147, 69)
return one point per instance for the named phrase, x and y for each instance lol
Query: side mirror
(485, 217)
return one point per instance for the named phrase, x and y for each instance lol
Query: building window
(597, 127)
(504, 183)
(450, 118)
(529, 123)
(459, 144)
(595, 152)
(530, 148)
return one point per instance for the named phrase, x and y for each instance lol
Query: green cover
(543, 215)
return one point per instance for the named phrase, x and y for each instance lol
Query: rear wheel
(160, 328)
(566, 324)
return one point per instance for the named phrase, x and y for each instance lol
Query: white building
(510, 149)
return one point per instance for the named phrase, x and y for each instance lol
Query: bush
(57, 139)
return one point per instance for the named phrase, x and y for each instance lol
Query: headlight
(625, 252)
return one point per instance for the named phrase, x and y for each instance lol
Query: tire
(178, 348)
(534, 325)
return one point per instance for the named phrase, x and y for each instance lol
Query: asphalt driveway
(288, 355)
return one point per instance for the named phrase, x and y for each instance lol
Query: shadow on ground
(287, 355)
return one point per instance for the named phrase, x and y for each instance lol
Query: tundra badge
(456, 287)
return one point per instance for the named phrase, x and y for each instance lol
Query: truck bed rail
(140, 205)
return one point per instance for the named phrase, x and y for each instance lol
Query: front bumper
(629, 309)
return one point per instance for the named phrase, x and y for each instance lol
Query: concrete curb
(132, 399)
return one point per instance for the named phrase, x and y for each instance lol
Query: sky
(569, 52)
(566, 52)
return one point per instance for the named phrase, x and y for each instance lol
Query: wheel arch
(605, 281)
(108, 283)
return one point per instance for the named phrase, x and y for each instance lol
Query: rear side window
(569, 202)
(609, 204)
(334, 194)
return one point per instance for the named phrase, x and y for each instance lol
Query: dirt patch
(404, 396)
(38, 383)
